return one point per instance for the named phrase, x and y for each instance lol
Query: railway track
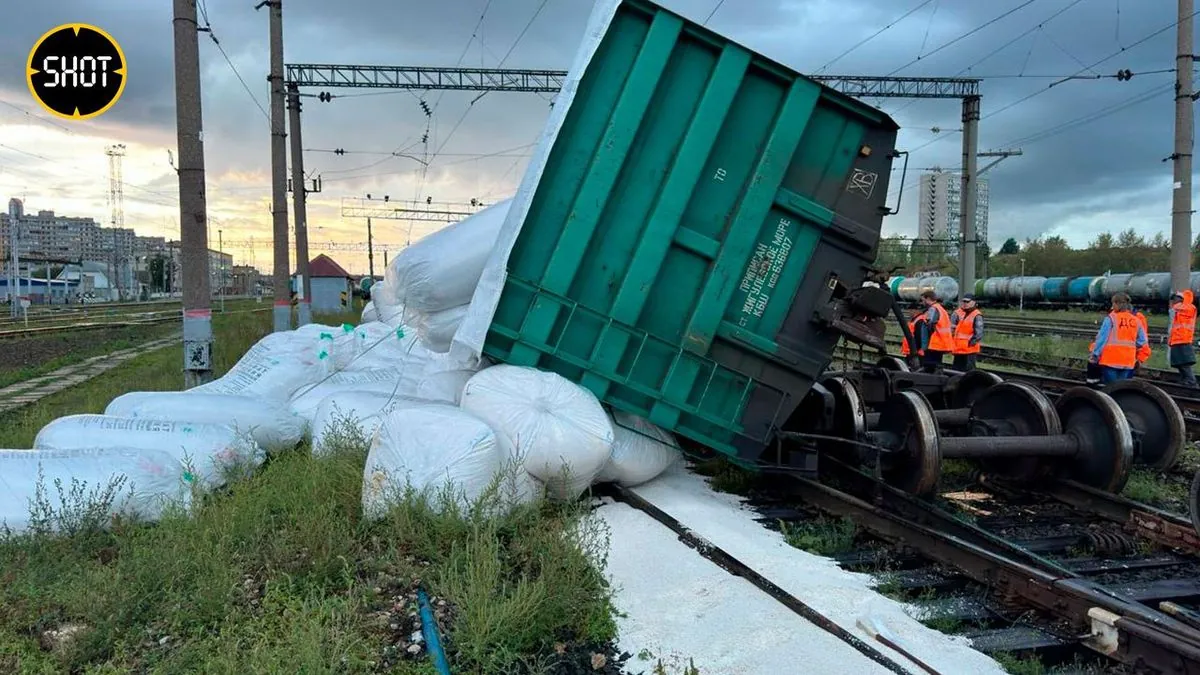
(1030, 575)
(141, 319)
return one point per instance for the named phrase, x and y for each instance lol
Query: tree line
(1127, 252)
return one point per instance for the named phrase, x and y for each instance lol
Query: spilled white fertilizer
(679, 608)
(844, 597)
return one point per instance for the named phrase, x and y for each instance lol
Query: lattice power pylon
(116, 183)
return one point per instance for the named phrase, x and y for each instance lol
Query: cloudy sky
(1093, 147)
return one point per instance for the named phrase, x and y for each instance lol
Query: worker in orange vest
(1181, 350)
(916, 326)
(1117, 343)
(967, 324)
(1143, 352)
(938, 338)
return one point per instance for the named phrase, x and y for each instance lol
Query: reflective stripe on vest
(1183, 327)
(1120, 351)
(941, 340)
(964, 331)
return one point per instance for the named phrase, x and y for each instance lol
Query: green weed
(1020, 665)
(823, 536)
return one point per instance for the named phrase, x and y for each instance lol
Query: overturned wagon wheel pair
(1013, 430)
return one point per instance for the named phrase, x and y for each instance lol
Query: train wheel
(893, 363)
(916, 465)
(1106, 441)
(1194, 502)
(1155, 419)
(967, 388)
(1015, 409)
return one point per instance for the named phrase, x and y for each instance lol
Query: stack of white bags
(435, 423)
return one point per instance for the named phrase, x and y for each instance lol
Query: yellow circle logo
(76, 71)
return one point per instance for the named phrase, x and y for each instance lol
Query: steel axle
(1013, 430)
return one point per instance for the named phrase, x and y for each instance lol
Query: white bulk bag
(641, 451)
(272, 369)
(441, 270)
(363, 409)
(429, 448)
(553, 425)
(305, 401)
(269, 423)
(369, 314)
(436, 329)
(212, 451)
(152, 480)
(445, 386)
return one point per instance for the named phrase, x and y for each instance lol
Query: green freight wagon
(695, 246)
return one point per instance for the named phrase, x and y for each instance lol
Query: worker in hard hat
(1116, 347)
(916, 326)
(967, 325)
(939, 339)
(1181, 350)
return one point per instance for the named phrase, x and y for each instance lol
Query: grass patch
(724, 476)
(823, 536)
(32, 357)
(280, 574)
(1150, 487)
(1020, 665)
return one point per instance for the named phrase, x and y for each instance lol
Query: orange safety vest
(964, 331)
(1121, 349)
(1143, 352)
(912, 328)
(941, 340)
(1183, 326)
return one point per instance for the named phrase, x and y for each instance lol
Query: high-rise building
(939, 209)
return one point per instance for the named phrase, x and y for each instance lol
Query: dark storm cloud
(1082, 170)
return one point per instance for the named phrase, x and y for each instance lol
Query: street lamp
(1021, 308)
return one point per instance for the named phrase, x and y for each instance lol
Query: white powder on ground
(680, 608)
(842, 596)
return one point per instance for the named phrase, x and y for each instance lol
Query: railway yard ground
(661, 578)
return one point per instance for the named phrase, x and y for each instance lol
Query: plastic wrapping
(429, 448)
(149, 481)
(269, 423)
(441, 270)
(555, 427)
(641, 451)
(214, 452)
(468, 341)
(436, 329)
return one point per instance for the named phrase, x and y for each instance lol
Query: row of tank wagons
(1149, 288)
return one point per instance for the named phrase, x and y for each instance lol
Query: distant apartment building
(939, 208)
(47, 235)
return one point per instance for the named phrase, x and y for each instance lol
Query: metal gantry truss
(550, 81)
(412, 211)
(421, 77)
(356, 246)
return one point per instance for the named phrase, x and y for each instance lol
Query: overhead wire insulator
(325, 97)
(1124, 75)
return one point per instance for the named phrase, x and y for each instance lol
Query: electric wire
(870, 37)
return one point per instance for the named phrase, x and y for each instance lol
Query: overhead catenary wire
(207, 28)
(964, 36)
(872, 36)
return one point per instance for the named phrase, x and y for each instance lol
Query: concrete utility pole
(14, 239)
(282, 273)
(300, 210)
(370, 253)
(967, 198)
(193, 216)
(1181, 201)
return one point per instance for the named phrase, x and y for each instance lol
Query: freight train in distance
(1149, 290)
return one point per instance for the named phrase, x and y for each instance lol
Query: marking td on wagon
(76, 71)
(863, 182)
